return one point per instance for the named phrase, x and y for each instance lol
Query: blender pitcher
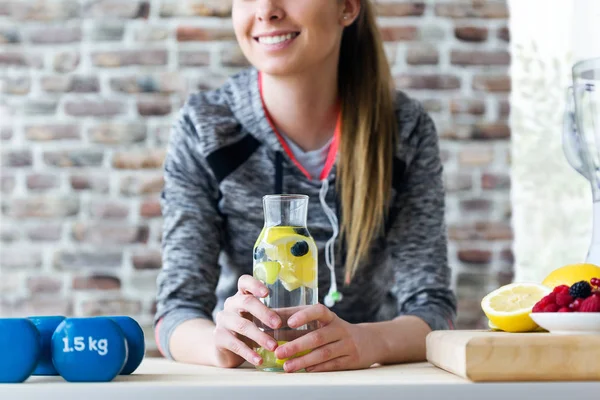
(581, 137)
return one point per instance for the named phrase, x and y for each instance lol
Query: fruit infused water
(285, 260)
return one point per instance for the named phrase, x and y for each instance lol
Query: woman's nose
(269, 10)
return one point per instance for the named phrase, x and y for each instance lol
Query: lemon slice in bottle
(296, 253)
(281, 361)
(289, 280)
(267, 271)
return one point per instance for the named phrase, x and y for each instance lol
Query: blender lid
(587, 69)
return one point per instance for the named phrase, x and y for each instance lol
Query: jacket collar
(246, 104)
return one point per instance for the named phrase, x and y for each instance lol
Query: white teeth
(276, 39)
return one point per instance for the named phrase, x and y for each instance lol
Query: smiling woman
(315, 115)
(264, 32)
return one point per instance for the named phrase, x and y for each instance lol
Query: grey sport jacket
(223, 157)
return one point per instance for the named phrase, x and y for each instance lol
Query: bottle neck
(285, 210)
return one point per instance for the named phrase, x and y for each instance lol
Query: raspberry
(549, 299)
(595, 282)
(551, 308)
(538, 307)
(591, 304)
(581, 289)
(563, 299)
(575, 305)
(564, 309)
(561, 289)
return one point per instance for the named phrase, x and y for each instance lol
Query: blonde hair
(368, 136)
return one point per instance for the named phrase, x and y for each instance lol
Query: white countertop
(162, 379)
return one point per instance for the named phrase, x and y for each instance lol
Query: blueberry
(259, 253)
(299, 249)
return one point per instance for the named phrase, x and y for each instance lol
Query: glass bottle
(285, 260)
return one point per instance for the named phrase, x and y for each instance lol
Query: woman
(316, 115)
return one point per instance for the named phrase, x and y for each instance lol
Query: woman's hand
(335, 345)
(235, 333)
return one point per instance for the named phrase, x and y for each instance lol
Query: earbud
(332, 297)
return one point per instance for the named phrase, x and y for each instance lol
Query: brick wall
(89, 89)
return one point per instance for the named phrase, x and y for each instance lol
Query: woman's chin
(278, 68)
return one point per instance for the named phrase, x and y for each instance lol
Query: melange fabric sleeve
(417, 239)
(191, 235)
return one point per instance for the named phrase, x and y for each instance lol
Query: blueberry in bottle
(299, 249)
(259, 253)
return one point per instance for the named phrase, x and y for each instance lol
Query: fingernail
(264, 292)
(272, 345)
(257, 360)
(274, 322)
(291, 321)
(288, 366)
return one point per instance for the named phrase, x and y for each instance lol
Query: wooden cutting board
(485, 356)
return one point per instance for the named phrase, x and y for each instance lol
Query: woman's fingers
(225, 339)
(313, 340)
(250, 285)
(286, 312)
(337, 364)
(318, 312)
(233, 322)
(288, 335)
(246, 300)
(249, 342)
(246, 303)
(318, 356)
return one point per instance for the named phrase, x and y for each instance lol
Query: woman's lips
(277, 41)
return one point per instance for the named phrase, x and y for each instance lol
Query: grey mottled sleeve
(418, 242)
(191, 236)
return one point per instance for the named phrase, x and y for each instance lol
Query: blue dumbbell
(46, 325)
(20, 349)
(89, 349)
(136, 344)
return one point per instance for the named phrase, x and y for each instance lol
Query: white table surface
(162, 379)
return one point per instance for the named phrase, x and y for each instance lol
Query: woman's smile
(274, 41)
(289, 37)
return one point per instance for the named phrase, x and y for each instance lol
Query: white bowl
(572, 323)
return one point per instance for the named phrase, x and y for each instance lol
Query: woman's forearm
(192, 342)
(397, 341)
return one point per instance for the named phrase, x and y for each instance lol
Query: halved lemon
(509, 306)
(267, 271)
(495, 328)
(492, 326)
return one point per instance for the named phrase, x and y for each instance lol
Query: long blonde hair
(368, 136)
